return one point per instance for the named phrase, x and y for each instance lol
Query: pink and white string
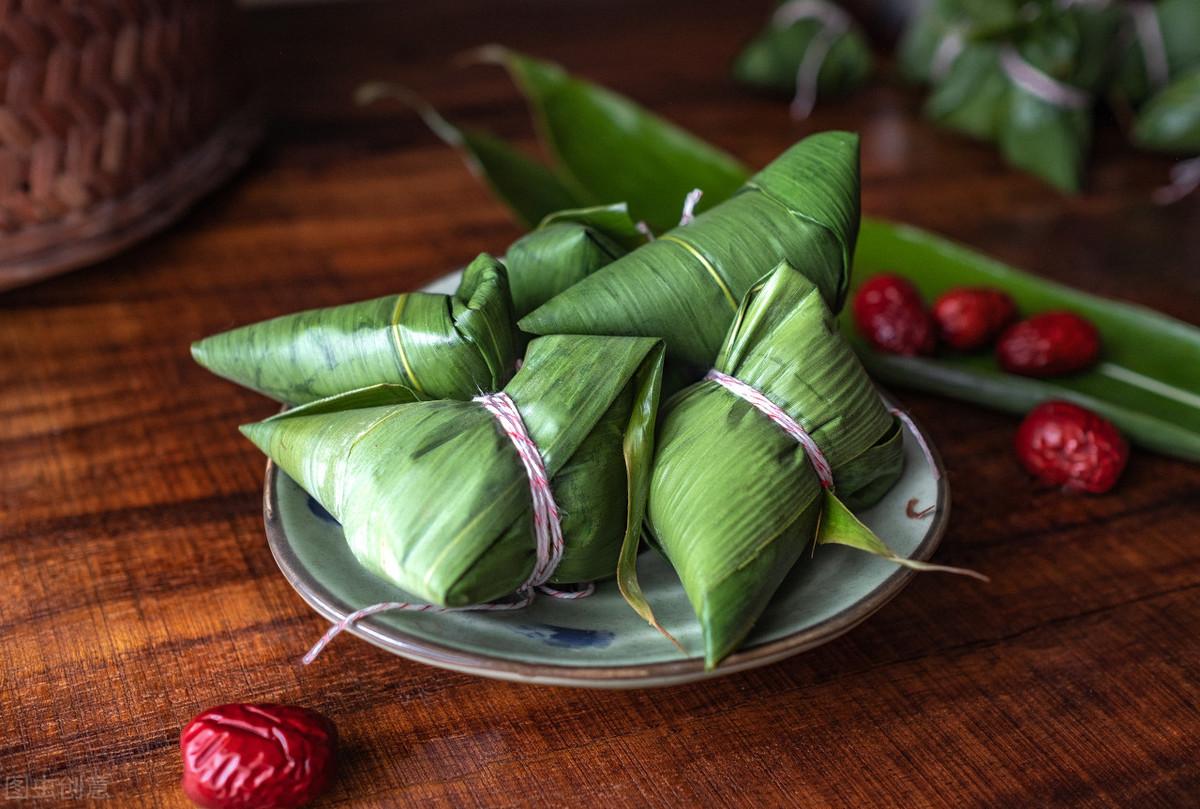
(778, 415)
(834, 22)
(1185, 178)
(948, 50)
(688, 215)
(1150, 37)
(1039, 84)
(919, 438)
(547, 529)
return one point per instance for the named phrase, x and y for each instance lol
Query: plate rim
(665, 673)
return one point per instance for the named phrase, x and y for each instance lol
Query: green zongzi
(734, 498)
(803, 208)
(432, 495)
(439, 346)
(1170, 122)
(566, 247)
(810, 48)
(1021, 74)
(1162, 43)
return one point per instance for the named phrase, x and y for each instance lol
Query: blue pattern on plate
(566, 637)
(319, 511)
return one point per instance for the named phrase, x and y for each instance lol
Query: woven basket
(115, 116)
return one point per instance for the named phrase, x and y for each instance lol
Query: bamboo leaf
(639, 455)
(612, 220)
(839, 526)
(1170, 121)
(734, 499)
(1148, 380)
(685, 286)
(565, 248)
(530, 189)
(585, 126)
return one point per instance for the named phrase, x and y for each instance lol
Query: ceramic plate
(599, 641)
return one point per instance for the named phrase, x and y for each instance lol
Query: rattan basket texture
(115, 116)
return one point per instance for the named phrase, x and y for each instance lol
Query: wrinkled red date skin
(1049, 344)
(1065, 445)
(890, 314)
(257, 756)
(970, 318)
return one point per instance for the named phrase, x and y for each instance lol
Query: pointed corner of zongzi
(200, 352)
(229, 355)
(259, 433)
(731, 609)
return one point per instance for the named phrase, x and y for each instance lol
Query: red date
(890, 314)
(1049, 344)
(243, 756)
(1063, 444)
(970, 318)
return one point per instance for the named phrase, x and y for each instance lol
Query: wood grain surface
(136, 586)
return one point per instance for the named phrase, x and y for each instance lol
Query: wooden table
(136, 586)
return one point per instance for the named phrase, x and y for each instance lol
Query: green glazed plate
(599, 641)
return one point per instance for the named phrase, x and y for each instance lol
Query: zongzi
(810, 48)
(1162, 43)
(1170, 122)
(1021, 74)
(432, 495)
(803, 208)
(439, 346)
(748, 459)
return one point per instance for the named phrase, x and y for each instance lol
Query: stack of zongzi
(445, 468)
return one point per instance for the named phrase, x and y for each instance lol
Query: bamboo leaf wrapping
(431, 494)
(772, 59)
(940, 28)
(685, 286)
(440, 346)
(734, 500)
(567, 247)
(1170, 121)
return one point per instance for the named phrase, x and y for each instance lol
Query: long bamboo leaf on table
(1148, 379)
